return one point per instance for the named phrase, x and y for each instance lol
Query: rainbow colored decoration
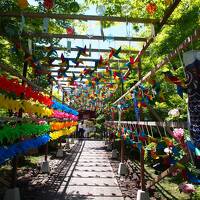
(22, 147)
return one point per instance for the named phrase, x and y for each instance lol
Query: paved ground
(91, 176)
(84, 173)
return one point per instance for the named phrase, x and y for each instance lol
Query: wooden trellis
(94, 18)
(173, 54)
(167, 172)
(80, 17)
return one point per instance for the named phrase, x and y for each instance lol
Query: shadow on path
(49, 189)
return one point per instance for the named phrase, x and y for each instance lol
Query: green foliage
(185, 20)
(12, 36)
(95, 135)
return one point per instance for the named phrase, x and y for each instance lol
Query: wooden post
(46, 151)
(14, 160)
(139, 70)
(119, 127)
(122, 151)
(142, 175)
(63, 100)
(46, 145)
(122, 141)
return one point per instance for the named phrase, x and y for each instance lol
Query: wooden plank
(168, 13)
(80, 17)
(172, 55)
(82, 37)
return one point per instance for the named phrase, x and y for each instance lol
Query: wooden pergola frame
(172, 55)
(162, 22)
(82, 37)
(147, 43)
(80, 17)
(91, 50)
(95, 18)
(94, 60)
(55, 68)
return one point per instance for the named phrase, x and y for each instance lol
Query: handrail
(151, 123)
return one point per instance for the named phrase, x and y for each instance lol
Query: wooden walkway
(91, 176)
(83, 174)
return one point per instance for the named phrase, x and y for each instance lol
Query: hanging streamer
(45, 25)
(65, 108)
(13, 86)
(30, 46)
(26, 106)
(11, 133)
(57, 134)
(62, 125)
(22, 147)
(21, 25)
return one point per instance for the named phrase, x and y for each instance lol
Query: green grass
(170, 185)
(35, 159)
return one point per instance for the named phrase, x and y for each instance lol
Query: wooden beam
(13, 72)
(56, 67)
(71, 71)
(168, 13)
(94, 60)
(173, 54)
(82, 37)
(167, 172)
(163, 21)
(92, 50)
(80, 17)
(148, 123)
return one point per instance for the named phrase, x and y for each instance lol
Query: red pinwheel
(151, 8)
(70, 31)
(48, 4)
(171, 78)
(114, 53)
(82, 51)
(131, 63)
